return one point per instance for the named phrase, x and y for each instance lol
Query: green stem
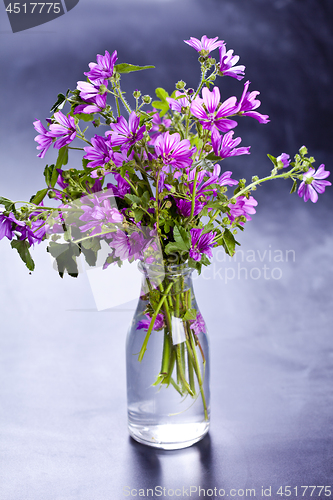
(264, 179)
(166, 353)
(193, 193)
(169, 378)
(152, 322)
(180, 368)
(197, 371)
(190, 367)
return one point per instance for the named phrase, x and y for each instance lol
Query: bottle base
(169, 436)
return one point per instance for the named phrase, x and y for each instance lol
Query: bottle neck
(171, 279)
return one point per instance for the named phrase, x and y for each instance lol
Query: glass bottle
(167, 360)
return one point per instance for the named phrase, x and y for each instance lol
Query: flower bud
(97, 122)
(146, 99)
(180, 85)
(168, 204)
(204, 53)
(102, 89)
(136, 94)
(303, 151)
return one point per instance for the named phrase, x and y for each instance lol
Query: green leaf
(89, 255)
(294, 187)
(85, 117)
(145, 199)
(48, 173)
(195, 265)
(59, 104)
(8, 204)
(138, 214)
(22, 246)
(229, 242)
(163, 104)
(128, 68)
(161, 93)
(273, 160)
(212, 157)
(62, 157)
(208, 227)
(39, 196)
(90, 250)
(91, 244)
(172, 248)
(54, 176)
(65, 255)
(132, 198)
(51, 175)
(181, 237)
(191, 314)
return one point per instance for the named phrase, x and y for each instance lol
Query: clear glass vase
(167, 361)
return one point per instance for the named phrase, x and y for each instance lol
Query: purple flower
(122, 187)
(103, 69)
(173, 151)
(182, 101)
(204, 190)
(198, 325)
(224, 146)
(44, 140)
(35, 233)
(90, 90)
(201, 243)
(243, 207)
(225, 179)
(160, 125)
(126, 134)
(6, 226)
(284, 159)
(211, 114)
(205, 45)
(227, 64)
(248, 103)
(94, 94)
(313, 183)
(64, 128)
(99, 153)
(128, 246)
(158, 324)
(184, 206)
(98, 215)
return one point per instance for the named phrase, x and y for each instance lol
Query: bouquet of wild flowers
(151, 187)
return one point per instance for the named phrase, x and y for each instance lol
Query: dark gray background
(63, 429)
